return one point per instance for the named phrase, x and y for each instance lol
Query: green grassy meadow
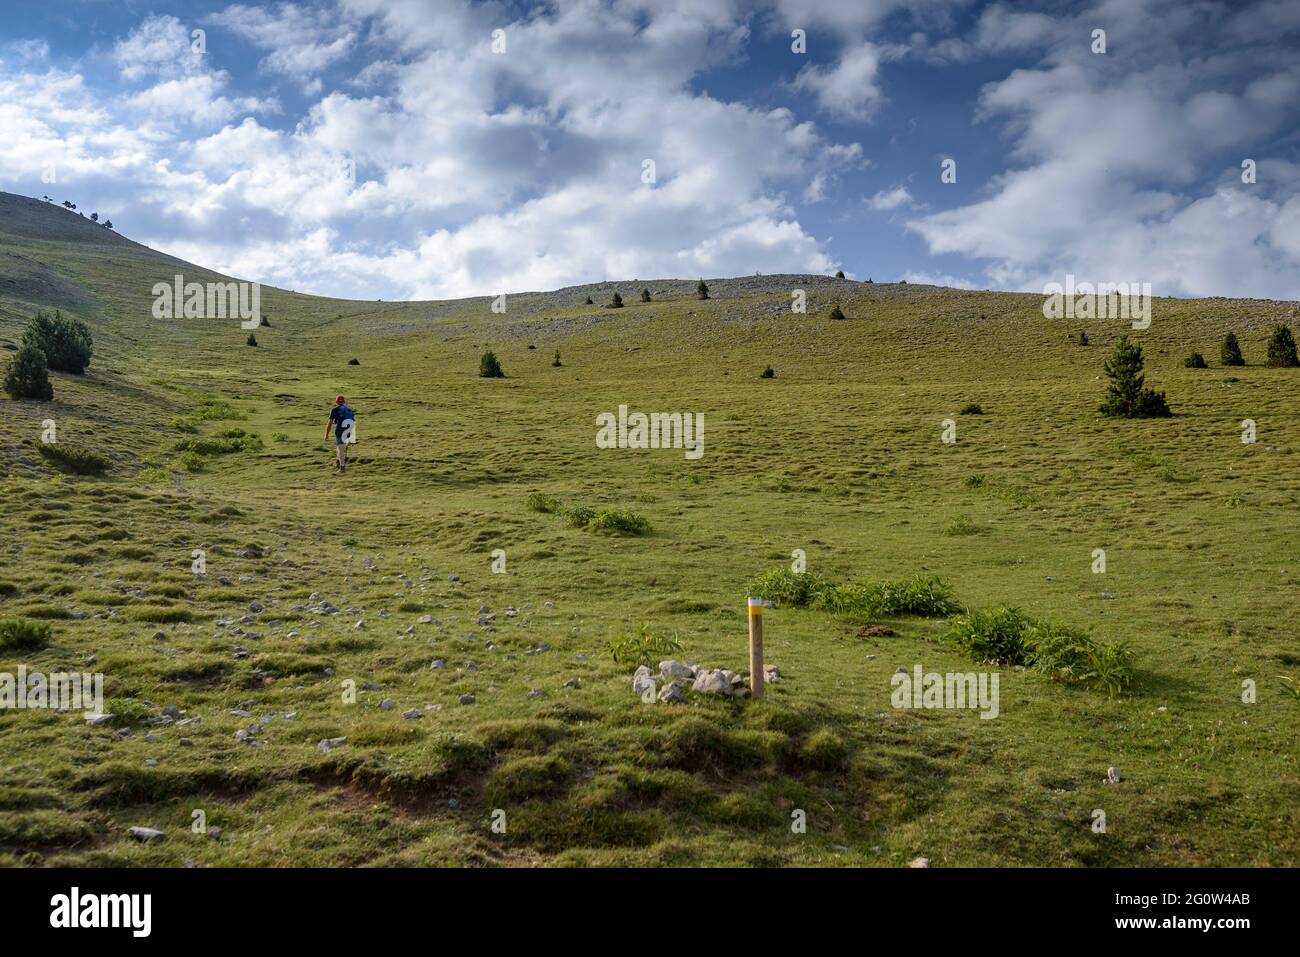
(839, 455)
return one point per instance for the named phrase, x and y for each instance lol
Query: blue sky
(385, 149)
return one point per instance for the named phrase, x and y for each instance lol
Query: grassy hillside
(839, 454)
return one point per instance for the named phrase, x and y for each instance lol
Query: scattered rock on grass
(711, 681)
(672, 692)
(677, 669)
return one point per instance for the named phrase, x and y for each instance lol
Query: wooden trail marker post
(756, 683)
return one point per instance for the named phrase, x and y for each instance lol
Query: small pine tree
(29, 375)
(489, 367)
(66, 342)
(589, 302)
(837, 313)
(645, 295)
(616, 302)
(839, 274)
(1126, 396)
(1230, 352)
(1083, 338)
(265, 322)
(701, 291)
(1281, 348)
(1195, 361)
(252, 339)
(768, 373)
(556, 361)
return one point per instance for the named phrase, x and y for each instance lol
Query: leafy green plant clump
(541, 502)
(925, 596)
(127, 712)
(789, 588)
(578, 516)
(618, 520)
(1010, 636)
(644, 647)
(960, 525)
(489, 366)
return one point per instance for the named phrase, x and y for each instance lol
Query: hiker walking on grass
(344, 421)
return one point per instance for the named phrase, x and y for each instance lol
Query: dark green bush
(1195, 361)
(1230, 352)
(1281, 348)
(489, 367)
(836, 313)
(80, 461)
(17, 634)
(29, 375)
(66, 342)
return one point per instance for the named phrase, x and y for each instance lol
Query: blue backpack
(341, 414)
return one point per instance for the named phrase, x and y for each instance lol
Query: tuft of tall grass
(541, 502)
